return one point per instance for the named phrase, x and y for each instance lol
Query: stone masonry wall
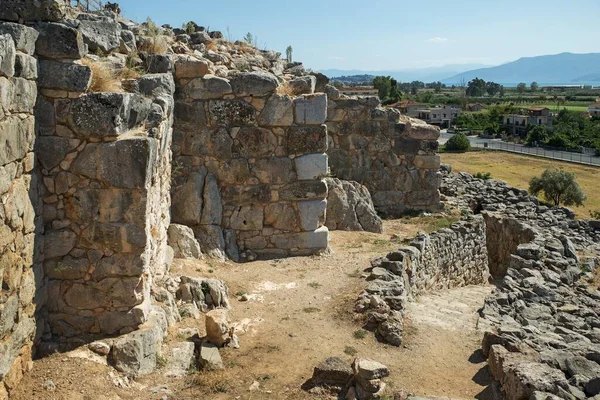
(451, 257)
(105, 160)
(22, 291)
(249, 164)
(392, 155)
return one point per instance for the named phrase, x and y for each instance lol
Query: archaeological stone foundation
(233, 147)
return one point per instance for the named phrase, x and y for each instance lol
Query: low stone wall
(392, 155)
(451, 257)
(22, 290)
(250, 164)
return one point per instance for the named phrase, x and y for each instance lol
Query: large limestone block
(108, 114)
(307, 139)
(101, 34)
(109, 292)
(187, 66)
(62, 76)
(422, 131)
(349, 207)
(159, 63)
(155, 85)
(59, 41)
(304, 84)
(231, 113)
(183, 242)
(314, 240)
(278, 111)
(247, 218)
(218, 327)
(17, 95)
(427, 161)
(274, 170)
(16, 138)
(253, 142)
(209, 357)
(26, 67)
(135, 353)
(312, 214)
(281, 216)
(30, 11)
(311, 109)
(181, 358)
(7, 56)
(312, 166)
(212, 209)
(59, 243)
(254, 84)
(24, 36)
(211, 240)
(127, 163)
(187, 200)
(207, 87)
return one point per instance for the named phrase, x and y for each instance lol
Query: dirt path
(299, 313)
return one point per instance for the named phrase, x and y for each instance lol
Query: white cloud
(437, 39)
(335, 58)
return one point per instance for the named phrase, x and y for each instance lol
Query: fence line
(578, 158)
(87, 5)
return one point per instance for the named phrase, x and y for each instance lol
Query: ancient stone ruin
(212, 150)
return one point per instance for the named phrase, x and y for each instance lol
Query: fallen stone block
(183, 242)
(180, 360)
(209, 357)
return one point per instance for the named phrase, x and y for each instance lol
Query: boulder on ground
(183, 242)
(350, 207)
(209, 357)
(218, 327)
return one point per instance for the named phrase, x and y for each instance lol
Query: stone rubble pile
(544, 340)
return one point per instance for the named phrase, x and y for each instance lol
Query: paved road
(497, 144)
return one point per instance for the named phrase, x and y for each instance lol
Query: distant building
(518, 123)
(407, 107)
(474, 107)
(359, 91)
(594, 110)
(441, 116)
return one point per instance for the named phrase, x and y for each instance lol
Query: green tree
(558, 187)
(501, 90)
(534, 86)
(476, 88)
(521, 87)
(288, 53)
(492, 88)
(383, 84)
(458, 142)
(537, 135)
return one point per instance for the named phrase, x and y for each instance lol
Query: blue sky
(392, 35)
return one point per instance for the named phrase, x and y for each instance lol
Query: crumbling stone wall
(249, 164)
(22, 291)
(392, 155)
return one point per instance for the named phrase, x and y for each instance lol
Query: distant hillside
(431, 74)
(558, 68)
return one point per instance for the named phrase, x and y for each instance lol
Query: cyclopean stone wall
(392, 155)
(22, 291)
(249, 164)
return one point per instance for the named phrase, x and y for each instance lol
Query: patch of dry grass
(517, 170)
(285, 88)
(213, 381)
(155, 44)
(104, 78)
(213, 45)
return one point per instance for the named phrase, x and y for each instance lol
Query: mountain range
(563, 68)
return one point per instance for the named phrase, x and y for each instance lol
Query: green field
(553, 107)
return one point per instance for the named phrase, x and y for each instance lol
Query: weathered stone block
(212, 208)
(231, 113)
(304, 190)
(16, 138)
(312, 214)
(207, 87)
(421, 131)
(23, 36)
(127, 163)
(17, 95)
(247, 218)
(307, 139)
(317, 239)
(247, 194)
(303, 84)
(188, 199)
(281, 216)
(276, 170)
(254, 84)
(253, 142)
(30, 11)
(427, 162)
(135, 353)
(26, 66)
(61, 76)
(7, 56)
(312, 166)
(59, 41)
(187, 66)
(278, 111)
(108, 114)
(311, 109)
(59, 243)
(211, 240)
(183, 242)
(101, 34)
(155, 85)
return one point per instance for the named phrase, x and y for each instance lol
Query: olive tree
(558, 186)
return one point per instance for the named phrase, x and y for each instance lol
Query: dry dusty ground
(517, 170)
(300, 313)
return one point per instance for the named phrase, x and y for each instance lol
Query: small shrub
(104, 78)
(240, 293)
(213, 381)
(360, 334)
(483, 175)
(310, 310)
(315, 285)
(595, 214)
(351, 351)
(458, 142)
(558, 187)
(161, 361)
